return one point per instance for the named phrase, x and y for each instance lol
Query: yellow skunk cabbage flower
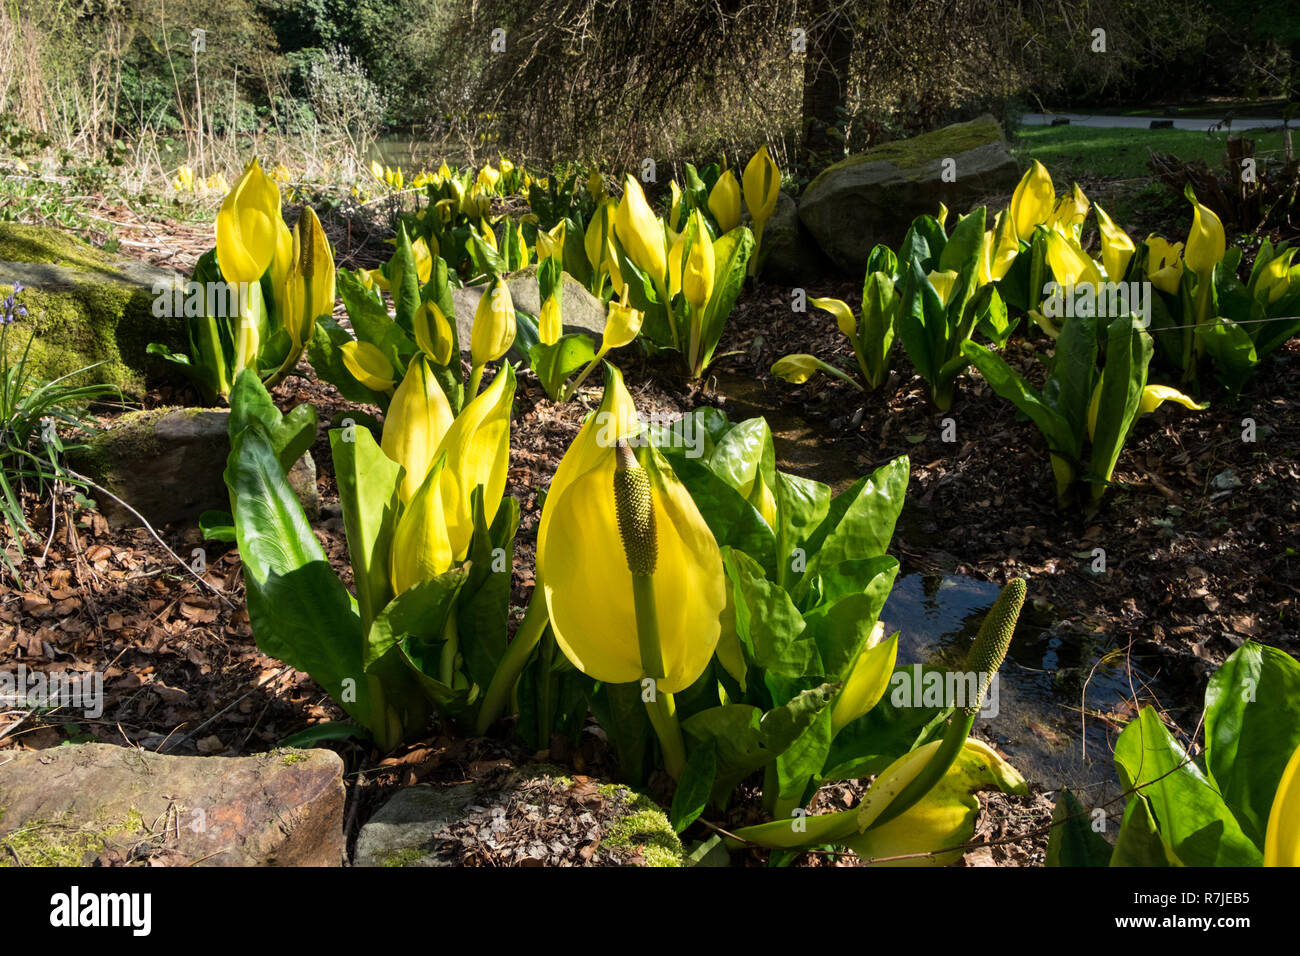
(599, 238)
(377, 169)
(421, 548)
(550, 243)
(1116, 247)
(1153, 396)
(1205, 243)
(494, 324)
(1275, 278)
(944, 817)
(368, 365)
(619, 534)
(943, 215)
(675, 208)
(477, 449)
(1070, 211)
(549, 326)
(724, 202)
(697, 270)
(418, 418)
(1005, 246)
(1282, 836)
(184, 180)
(247, 233)
(640, 231)
(596, 185)
(433, 332)
(867, 680)
(796, 369)
(844, 317)
(1070, 265)
(762, 181)
(1032, 201)
(943, 282)
(309, 286)
(487, 179)
(1164, 265)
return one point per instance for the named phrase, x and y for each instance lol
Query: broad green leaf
(1140, 842)
(802, 505)
(1233, 351)
(731, 259)
(1189, 812)
(1009, 385)
(404, 281)
(804, 757)
(483, 611)
(1071, 377)
(964, 242)
(1252, 726)
(421, 612)
(841, 625)
(553, 364)
(299, 610)
(1128, 353)
(326, 357)
(622, 715)
(1073, 841)
(368, 492)
(801, 830)
(859, 522)
(694, 787)
(290, 434)
(919, 316)
(767, 621)
(733, 520)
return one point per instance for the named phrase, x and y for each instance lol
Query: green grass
(1111, 166)
(1083, 153)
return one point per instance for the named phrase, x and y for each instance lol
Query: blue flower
(9, 309)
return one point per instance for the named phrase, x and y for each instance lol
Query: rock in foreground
(531, 817)
(76, 805)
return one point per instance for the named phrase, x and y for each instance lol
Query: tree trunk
(825, 79)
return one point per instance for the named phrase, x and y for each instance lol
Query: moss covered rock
(534, 816)
(69, 805)
(873, 197)
(168, 464)
(86, 307)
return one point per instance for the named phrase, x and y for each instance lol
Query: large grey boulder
(789, 253)
(86, 307)
(580, 310)
(532, 817)
(168, 464)
(74, 805)
(873, 197)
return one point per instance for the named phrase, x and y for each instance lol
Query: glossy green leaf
(1073, 841)
(368, 492)
(694, 787)
(1252, 726)
(1189, 812)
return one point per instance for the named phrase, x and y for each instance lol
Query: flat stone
(579, 309)
(86, 307)
(534, 816)
(168, 464)
(71, 805)
(873, 197)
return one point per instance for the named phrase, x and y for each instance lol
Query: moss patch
(24, 243)
(643, 829)
(96, 322)
(926, 148)
(60, 843)
(407, 857)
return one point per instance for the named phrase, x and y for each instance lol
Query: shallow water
(1052, 683)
